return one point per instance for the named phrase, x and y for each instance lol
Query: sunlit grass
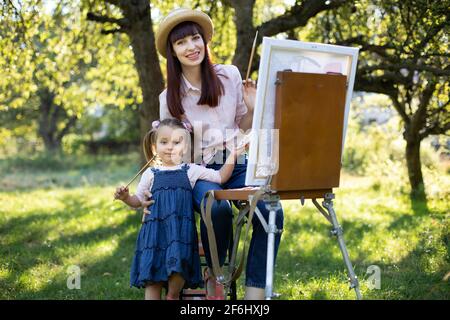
(46, 229)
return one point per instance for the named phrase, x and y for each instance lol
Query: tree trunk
(51, 144)
(415, 169)
(49, 115)
(245, 33)
(147, 63)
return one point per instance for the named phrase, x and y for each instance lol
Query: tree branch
(419, 118)
(112, 31)
(435, 130)
(408, 65)
(387, 77)
(432, 32)
(113, 2)
(400, 109)
(123, 23)
(68, 126)
(375, 84)
(383, 86)
(365, 46)
(298, 15)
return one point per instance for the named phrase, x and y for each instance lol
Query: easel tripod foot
(339, 233)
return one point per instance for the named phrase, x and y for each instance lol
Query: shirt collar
(188, 85)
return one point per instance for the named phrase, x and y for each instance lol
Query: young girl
(167, 247)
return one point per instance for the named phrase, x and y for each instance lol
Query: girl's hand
(235, 153)
(147, 202)
(249, 93)
(122, 193)
(240, 150)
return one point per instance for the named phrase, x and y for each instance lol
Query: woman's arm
(249, 94)
(246, 121)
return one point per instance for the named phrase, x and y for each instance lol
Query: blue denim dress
(167, 242)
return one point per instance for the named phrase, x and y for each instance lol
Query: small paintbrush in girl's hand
(140, 171)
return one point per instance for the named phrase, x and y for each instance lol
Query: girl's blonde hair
(149, 141)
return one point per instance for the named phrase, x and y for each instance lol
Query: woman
(214, 101)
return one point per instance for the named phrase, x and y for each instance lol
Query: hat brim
(176, 17)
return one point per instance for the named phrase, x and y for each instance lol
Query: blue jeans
(222, 218)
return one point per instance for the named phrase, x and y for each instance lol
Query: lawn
(52, 219)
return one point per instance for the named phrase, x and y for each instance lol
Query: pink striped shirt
(212, 126)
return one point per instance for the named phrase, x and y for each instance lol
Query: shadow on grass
(419, 207)
(319, 295)
(420, 213)
(322, 256)
(99, 277)
(108, 277)
(405, 279)
(74, 208)
(421, 273)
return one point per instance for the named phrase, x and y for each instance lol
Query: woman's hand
(249, 93)
(147, 202)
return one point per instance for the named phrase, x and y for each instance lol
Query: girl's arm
(123, 194)
(221, 176)
(227, 169)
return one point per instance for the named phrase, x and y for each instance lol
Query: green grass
(58, 213)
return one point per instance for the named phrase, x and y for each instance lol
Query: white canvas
(297, 56)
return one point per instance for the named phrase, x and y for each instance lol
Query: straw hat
(181, 15)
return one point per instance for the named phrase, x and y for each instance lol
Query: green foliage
(108, 124)
(58, 53)
(378, 151)
(373, 148)
(404, 52)
(265, 10)
(20, 139)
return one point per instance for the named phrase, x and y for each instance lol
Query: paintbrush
(140, 171)
(251, 58)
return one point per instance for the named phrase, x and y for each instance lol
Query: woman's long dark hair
(212, 87)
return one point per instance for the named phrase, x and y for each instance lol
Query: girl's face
(171, 145)
(190, 50)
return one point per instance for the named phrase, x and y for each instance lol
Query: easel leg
(272, 206)
(338, 232)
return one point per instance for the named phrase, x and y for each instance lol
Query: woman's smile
(193, 56)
